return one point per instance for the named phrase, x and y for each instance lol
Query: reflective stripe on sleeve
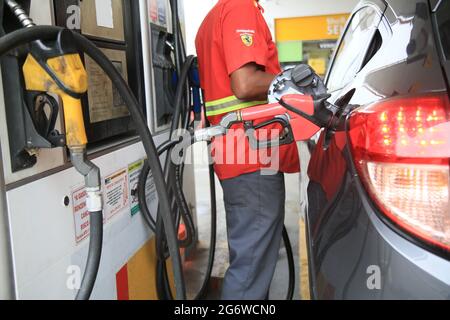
(228, 104)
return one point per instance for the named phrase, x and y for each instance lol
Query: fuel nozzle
(57, 68)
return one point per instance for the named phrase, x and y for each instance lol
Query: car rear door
(357, 45)
(327, 168)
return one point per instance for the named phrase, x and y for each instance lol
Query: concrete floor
(195, 265)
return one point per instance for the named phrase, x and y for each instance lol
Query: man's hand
(250, 82)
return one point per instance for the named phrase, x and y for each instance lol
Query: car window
(352, 50)
(443, 20)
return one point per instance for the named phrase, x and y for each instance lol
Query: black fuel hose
(179, 196)
(163, 285)
(213, 236)
(183, 64)
(176, 34)
(176, 172)
(143, 176)
(24, 36)
(184, 209)
(181, 93)
(93, 260)
(291, 264)
(168, 165)
(174, 176)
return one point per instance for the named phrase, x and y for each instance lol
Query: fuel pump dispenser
(39, 33)
(65, 213)
(56, 68)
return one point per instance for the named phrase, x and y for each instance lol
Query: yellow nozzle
(74, 122)
(68, 69)
(71, 73)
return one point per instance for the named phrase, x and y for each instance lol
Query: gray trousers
(254, 205)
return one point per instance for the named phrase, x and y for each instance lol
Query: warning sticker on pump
(119, 195)
(115, 195)
(80, 214)
(134, 170)
(116, 198)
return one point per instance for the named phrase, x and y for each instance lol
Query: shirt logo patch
(247, 39)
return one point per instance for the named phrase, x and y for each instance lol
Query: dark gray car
(378, 220)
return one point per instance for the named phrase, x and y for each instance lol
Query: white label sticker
(80, 214)
(134, 170)
(116, 194)
(104, 13)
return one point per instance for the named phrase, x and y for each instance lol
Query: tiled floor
(196, 265)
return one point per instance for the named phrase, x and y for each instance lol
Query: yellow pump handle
(70, 71)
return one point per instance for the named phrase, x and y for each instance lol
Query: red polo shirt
(232, 35)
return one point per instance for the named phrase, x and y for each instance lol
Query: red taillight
(401, 149)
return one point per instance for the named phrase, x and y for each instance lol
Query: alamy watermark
(234, 148)
(73, 281)
(374, 279)
(73, 21)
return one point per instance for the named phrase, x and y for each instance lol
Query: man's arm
(251, 83)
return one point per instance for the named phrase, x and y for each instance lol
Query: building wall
(301, 8)
(194, 13)
(196, 10)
